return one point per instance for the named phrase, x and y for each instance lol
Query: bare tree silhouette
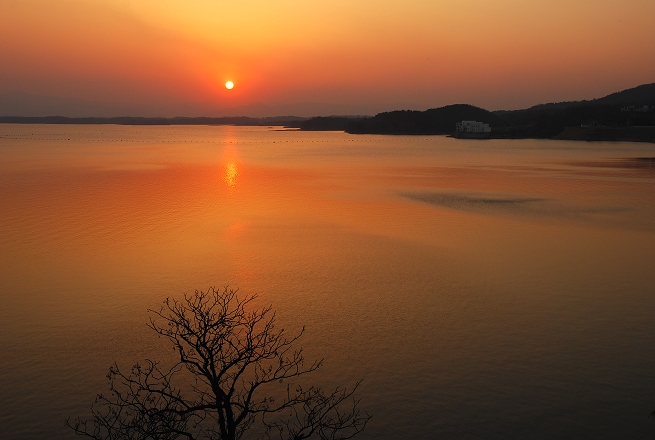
(236, 371)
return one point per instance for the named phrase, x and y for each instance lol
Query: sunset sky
(318, 57)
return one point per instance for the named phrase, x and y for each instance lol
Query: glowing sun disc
(229, 85)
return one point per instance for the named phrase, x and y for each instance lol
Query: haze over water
(482, 289)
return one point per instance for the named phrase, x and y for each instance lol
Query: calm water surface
(482, 289)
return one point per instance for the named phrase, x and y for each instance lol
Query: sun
(229, 85)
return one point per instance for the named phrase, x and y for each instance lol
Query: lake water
(481, 289)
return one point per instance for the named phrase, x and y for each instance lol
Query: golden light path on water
(481, 289)
(230, 175)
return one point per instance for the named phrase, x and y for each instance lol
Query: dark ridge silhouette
(585, 120)
(642, 94)
(628, 115)
(433, 121)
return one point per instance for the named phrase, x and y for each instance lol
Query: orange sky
(167, 57)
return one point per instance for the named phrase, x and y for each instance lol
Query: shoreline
(642, 134)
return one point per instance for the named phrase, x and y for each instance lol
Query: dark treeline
(290, 121)
(434, 121)
(621, 109)
(601, 119)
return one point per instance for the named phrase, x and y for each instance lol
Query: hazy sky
(308, 57)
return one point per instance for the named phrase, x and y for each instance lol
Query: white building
(473, 127)
(638, 108)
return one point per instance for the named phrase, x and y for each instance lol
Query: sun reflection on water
(230, 160)
(230, 174)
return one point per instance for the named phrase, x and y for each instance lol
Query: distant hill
(621, 109)
(629, 108)
(433, 121)
(642, 94)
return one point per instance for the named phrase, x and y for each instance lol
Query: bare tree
(235, 370)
